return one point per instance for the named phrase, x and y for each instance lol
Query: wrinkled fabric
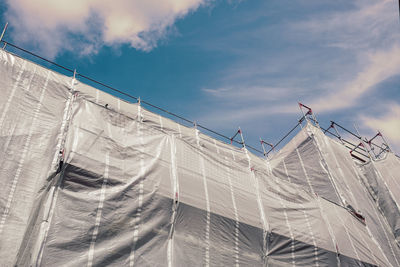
(88, 179)
(382, 179)
(329, 171)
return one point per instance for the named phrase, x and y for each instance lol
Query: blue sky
(231, 63)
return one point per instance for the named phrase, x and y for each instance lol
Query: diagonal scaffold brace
(263, 147)
(2, 35)
(383, 148)
(233, 137)
(309, 115)
(362, 141)
(239, 132)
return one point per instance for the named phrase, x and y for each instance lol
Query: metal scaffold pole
(3, 32)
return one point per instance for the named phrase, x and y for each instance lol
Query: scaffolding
(357, 151)
(100, 182)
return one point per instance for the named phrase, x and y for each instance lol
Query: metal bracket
(262, 145)
(309, 113)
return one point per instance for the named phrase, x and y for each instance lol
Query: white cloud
(250, 93)
(368, 24)
(85, 25)
(329, 60)
(381, 66)
(387, 123)
(369, 34)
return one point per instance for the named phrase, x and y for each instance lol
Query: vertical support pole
(315, 120)
(304, 115)
(139, 114)
(4, 31)
(241, 136)
(372, 149)
(73, 80)
(362, 141)
(384, 140)
(262, 145)
(310, 113)
(369, 142)
(269, 144)
(337, 132)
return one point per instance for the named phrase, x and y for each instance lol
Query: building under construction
(88, 179)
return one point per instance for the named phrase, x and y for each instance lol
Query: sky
(231, 63)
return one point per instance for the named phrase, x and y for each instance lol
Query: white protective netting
(137, 189)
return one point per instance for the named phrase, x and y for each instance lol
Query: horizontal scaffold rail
(354, 148)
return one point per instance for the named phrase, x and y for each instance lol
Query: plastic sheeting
(329, 171)
(89, 179)
(382, 178)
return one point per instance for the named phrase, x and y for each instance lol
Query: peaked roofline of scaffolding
(309, 116)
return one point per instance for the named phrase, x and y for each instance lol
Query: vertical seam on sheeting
(322, 160)
(351, 192)
(99, 211)
(342, 174)
(118, 104)
(66, 119)
(63, 124)
(320, 208)
(304, 170)
(286, 217)
(343, 177)
(390, 192)
(97, 96)
(141, 185)
(260, 207)
(379, 175)
(384, 231)
(330, 230)
(175, 199)
(312, 234)
(339, 168)
(286, 171)
(180, 131)
(235, 213)
(394, 180)
(161, 123)
(8, 140)
(309, 227)
(216, 147)
(22, 159)
(109, 130)
(339, 195)
(366, 243)
(308, 223)
(14, 88)
(203, 172)
(30, 80)
(380, 222)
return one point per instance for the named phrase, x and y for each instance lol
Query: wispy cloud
(388, 123)
(371, 34)
(86, 25)
(381, 66)
(236, 104)
(328, 59)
